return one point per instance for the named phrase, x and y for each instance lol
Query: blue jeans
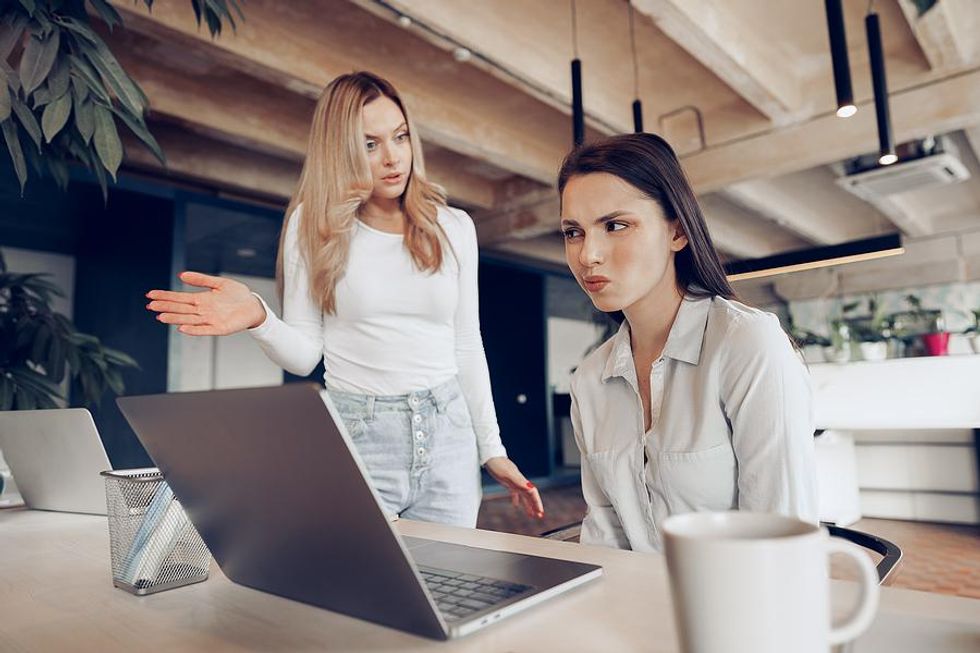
(420, 451)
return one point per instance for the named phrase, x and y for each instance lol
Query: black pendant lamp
(886, 141)
(578, 112)
(637, 105)
(838, 54)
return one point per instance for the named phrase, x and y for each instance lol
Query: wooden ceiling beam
(742, 234)
(294, 48)
(947, 32)
(244, 111)
(746, 61)
(192, 157)
(933, 108)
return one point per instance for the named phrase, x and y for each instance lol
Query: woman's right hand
(227, 306)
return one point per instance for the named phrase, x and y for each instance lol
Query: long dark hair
(647, 162)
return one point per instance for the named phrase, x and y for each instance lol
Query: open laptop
(278, 493)
(55, 457)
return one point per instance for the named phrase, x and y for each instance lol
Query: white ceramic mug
(759, 583)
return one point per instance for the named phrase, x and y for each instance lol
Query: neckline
(374, 230)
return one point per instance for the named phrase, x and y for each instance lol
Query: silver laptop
(55, 457)
(277, 491)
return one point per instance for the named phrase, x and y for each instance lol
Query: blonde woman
(379, 280)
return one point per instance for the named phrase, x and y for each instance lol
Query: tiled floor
(941, 558)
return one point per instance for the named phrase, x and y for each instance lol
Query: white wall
(568, 340)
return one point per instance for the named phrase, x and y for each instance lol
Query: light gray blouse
(732, 426)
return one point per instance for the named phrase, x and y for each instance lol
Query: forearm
(474, 379)
(288, 346)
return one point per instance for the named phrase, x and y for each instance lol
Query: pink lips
(393, 179)
(595, 283)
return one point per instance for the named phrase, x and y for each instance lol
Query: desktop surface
(57, 594)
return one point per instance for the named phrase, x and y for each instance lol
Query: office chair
(890, 552)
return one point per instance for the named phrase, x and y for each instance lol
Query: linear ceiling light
(816, 257)
(838, 54)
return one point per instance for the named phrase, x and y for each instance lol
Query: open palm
(225, 306)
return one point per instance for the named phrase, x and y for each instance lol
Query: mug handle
(864, 614)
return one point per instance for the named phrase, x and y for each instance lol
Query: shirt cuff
(266, 324)
(494, 450)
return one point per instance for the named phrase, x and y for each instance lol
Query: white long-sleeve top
(396, 329)
(731, 426)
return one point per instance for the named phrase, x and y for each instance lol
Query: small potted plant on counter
(839, 350)
(873, 332)
(927, 323)
(973, 332)
(811, 344)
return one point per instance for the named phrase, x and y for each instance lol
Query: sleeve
(471, 359)
(601, 525)
(768, 401)
(294, 342)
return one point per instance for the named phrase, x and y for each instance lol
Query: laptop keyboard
(460, 595)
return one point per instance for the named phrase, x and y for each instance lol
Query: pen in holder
(154, 546)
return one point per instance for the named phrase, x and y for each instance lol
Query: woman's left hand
(522, 491)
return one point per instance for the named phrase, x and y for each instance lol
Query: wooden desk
(56, 595)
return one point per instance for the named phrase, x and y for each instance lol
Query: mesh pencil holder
(154, 545)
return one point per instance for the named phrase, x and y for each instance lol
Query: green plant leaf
(107, 143)
(55, 363)
(6, 392)
(27, 378)
(59, 77)
(55, 116)
(79, 29)
(27, 121)
(107, 12)
(142, 133)
(37, 60)
(85, 119)
(59, 171)
(115, 381)
(119, 358)
(10, 35)
(5, 104)
(41, 97)
(24, 399)
(86, 75)
(16, 154)
(129, 95)
(13, 79)
(39, 346)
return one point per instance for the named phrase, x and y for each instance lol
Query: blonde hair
(336, 182)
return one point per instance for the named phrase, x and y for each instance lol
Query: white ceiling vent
(904, 176)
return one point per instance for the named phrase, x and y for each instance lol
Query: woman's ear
(678, 240)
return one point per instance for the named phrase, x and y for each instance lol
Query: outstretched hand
(225, 306)
(522, 491)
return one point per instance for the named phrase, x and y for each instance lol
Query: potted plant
(930, 326)
(839, 350)
(811, 344)
(973, 331)
(873, 332)
(39, 348)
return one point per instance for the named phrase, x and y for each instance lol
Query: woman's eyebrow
(396, 129)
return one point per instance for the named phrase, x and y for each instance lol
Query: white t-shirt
(396, 330)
